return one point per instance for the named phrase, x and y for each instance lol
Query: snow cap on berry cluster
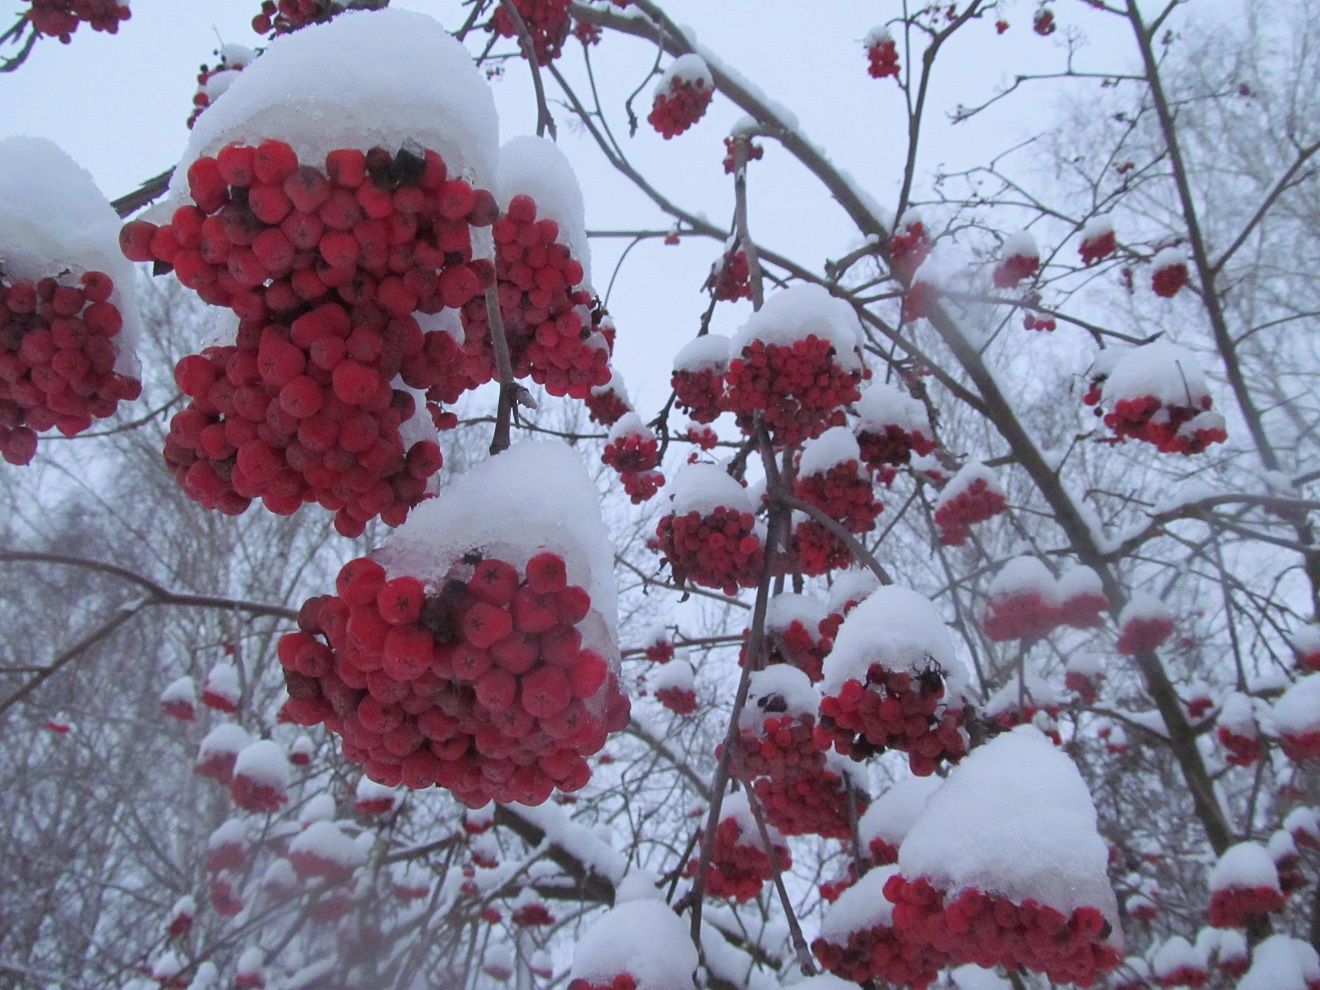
(802, 311)
(1014, 818)
(735, 807)
(1282, 963)
(1169, 257)
(642, 938)
(690, 68)
(534, 496)
(861, 907)
(1298, 711)
(535, 167)
(781, 681)
(1020, 245)
(902, 631)
(326, 843)
(786, 608)
(835, 446)
(851, 586)
(878, 35)
(709, 351)
(675, 676)
(1143, 607)
(883, 404)
(385, 78)
(1097, 227)
(1022, 575)
(629, 425)
(53, 219)
(705, 487)
(1247, 864)
(966, 476)
(226, 739)
(1166, 371)
(1039, 693)
(891, 815)
(1078, 581)
(615, 386)
(264, 762)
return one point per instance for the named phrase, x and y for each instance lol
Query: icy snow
(54, 219)
(1298, 711)
(1166, 371)
(535, 167)
(642, 938)
(709, 351)
(534, 496)
(703, 488)
(800, 311)
(883, 404)
(836, 445)
(861, 906)
(898, 629)
(1247, 864)
(367, 78)
(1014, 818)
(264, 762)
(892, 814)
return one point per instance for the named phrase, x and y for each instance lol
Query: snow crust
(535, 167)
(705, 487)
(690, 68)
(709, 351)
(642, 938)
(1298, 711)
(1170, 373)
(837, 445)
(264, 762)
(386, 77)
(801, 311)
(1247, 864)
(891, 816)
(534, 496)
(861, 906)
(883, 404)
(1014, 818)
(781, 681)
(54, 219)
(898, 629)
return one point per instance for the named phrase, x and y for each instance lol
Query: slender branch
(545, 123)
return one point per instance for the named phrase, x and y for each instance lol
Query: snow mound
(690, 68)
(892, 815)
(704, 487)
(786, 608)
(264, 762)
(1298, 711)
(709, 351)
(1166, 371)
(861, 906)
(1014, 818)
(966, 476)
(851, 586)
(642, 938)
(1281, 963)
(535, 167)
(837, 445)
(1247, 864)
(790, 686)
(802, 311)
(367, 78)
(883, 404)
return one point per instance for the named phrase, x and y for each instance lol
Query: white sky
(118, 105)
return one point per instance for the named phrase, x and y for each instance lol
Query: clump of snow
(644, 939)
(53, 219)
(639, 885)
(1022, 575)
(1303, 821)
(327, 842)
(780, 689)
(1238, 714)
(1078, 581)
(179, 691)
(1016, 819)
(801, 311)
(837, 445)
(1020, 245)
(1097, 227)
(264, 762)
(597, 855)
(615, 386)
(1298, 711)
(710, 351)
(226, 739)
(1145, 607)
(534, 496)
(319, 808)
(690, 68)
(891, 816)
(1169, 257)
(535, 167)
(1177, 953)
(231, 832)
(966, 476)
(629, 425)
(167, 967)
(1166, 371)
(875, 37)
(250, 962)
(370, 793)
(861, 906)
(1247, 864)
(786, 608)
(900, 630)
(222, 681)
(851, 586)
(677, 675)
(1037, 691)
(736, 807)
(704, 487)
(973, 977)
(1306, 640)
(1281, 963)
(367, 78)
(883, 404)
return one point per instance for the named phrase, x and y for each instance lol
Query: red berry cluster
(817, 551)
(798, 390)
(202, 99)
(532, 915)
(1014, 269)
(324, 269)
(1144, 634)
(543, 307)
(547, 21)
(989, 930)
(1301, 745)
(57, 360)
(895, 446)
(894, 710)
(60, 18)
(680, 106)
(605, 406)
(623, 981)
(660, 649)
(480, 684)
(844, 493)
(808, 802)
(919, 300)
(783, 746)
(1085, 686)
(699, 393)
(1043, 22)
(800, 647)
(679, 700)
(877, 953)
(635, 456)
(224, 897)
(830, 890)
(284, 16)
(1026, 614)
(1147, 418)
(252, 794)
(754, 153)
(703, 437)
(1032, 321)
(739, 864)
(1242, 750)
(882, 59)
(908, 248)
(720, 549)
(1097, 248)
(976, 503)
(730, 277)
(1168, 279)
(1240, 907)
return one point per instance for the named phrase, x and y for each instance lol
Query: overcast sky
(118, 105)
